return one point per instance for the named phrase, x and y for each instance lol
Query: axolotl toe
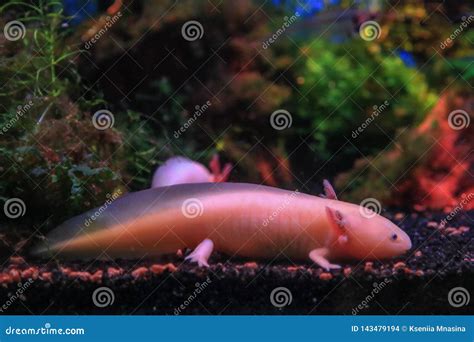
(241, 219)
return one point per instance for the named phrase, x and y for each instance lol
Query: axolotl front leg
(320, 255)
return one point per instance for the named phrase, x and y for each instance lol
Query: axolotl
(247, 220)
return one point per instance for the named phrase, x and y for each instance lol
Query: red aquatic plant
(445, 178)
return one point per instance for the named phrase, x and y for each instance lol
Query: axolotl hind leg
(201, 253)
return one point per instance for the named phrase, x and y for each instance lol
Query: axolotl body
(241, 219)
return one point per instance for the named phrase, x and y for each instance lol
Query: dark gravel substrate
(418, 283)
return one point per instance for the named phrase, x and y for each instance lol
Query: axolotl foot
(319, 256)
(201, 253)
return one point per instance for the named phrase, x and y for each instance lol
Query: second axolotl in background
(241, 219)
(181, 170)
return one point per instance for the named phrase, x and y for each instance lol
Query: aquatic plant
(54, 154)
(356, 92)
(45, 120)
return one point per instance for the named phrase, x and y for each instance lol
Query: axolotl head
(363, 234)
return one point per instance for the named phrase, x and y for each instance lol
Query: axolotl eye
(394, 237)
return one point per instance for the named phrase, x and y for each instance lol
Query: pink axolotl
(248, 220)
(181, 170)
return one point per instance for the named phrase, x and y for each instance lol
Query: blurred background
(377, 96)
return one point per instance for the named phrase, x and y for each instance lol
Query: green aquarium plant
(354, 97)
(55, 156)
(51, 157)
